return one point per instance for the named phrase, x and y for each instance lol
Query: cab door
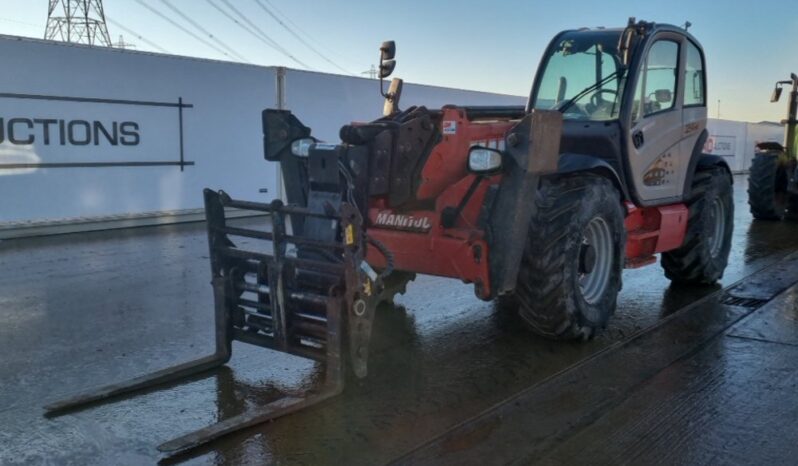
(694, 104)
(656, 129)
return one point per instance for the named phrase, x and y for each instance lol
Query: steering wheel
(577, 111)
(594, 99)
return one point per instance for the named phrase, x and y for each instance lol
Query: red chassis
(421, 243)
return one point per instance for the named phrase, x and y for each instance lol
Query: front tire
(705, 253)
(570, 274)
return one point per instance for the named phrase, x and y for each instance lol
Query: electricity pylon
(77, 21)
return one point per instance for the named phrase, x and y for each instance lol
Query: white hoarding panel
(327, 102)
(90, 132)
(59, 131)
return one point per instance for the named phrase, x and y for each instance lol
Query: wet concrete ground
(713, 384)
(78, 311)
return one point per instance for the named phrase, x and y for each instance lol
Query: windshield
(583, 76)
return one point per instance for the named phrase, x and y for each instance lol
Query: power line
(181, 27)
(299, 28)
(204, 30)
(136, 35)
(291, 31)
(242, 26)
(254, 30)
(8, 20)
(263, 34)
(239, 24)
(252, 25)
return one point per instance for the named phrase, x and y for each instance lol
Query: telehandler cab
(540, 206)
(773, 178)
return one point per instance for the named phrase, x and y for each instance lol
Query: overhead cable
(181, 27)
(259, 34)
(136, 35)
(203, 30)
(297, 27)
(299, 38)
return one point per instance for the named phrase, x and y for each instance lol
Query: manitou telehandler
(773, 179)
(540, 206)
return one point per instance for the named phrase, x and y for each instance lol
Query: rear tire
(705, 253)
(767, 187)
(570, 273)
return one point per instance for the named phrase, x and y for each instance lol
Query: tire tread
(543, 287)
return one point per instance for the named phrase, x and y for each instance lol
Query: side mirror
(388, 50)
(387, 62)
(776, 94)
(484, 161)
(663, 95)
(386, 68)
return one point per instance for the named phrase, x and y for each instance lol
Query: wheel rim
(719, 227)
(593, 282)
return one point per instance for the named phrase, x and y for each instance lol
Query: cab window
(655, 90)
(694, 77)
(583, 77)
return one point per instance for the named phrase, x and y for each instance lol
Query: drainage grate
(742, 302)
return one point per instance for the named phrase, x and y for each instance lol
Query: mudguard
(706, 161)
(702, 161)
(573, 163)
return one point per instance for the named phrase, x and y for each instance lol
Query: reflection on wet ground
(81, 310)
(675, 394)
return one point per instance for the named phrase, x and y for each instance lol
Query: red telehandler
(540, 206)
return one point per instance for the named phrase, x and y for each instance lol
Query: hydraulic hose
(385, 252)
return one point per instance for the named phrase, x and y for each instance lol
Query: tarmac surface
(679, 376)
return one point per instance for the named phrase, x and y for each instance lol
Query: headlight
(301, 147)
(482, 160)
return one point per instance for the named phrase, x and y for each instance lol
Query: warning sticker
(450, 127)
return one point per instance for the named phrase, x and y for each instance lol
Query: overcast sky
(490, 46)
